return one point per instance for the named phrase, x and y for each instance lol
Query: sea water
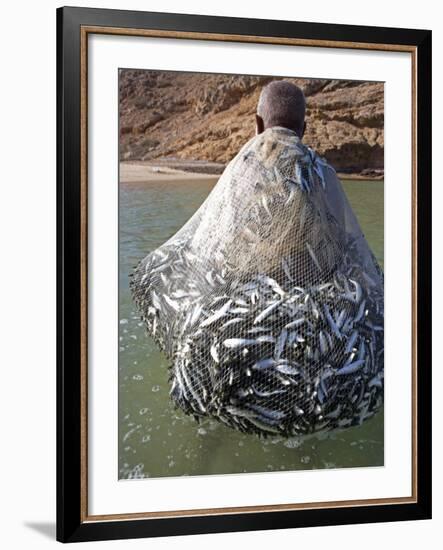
(155, 439)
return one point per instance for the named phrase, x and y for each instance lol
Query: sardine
(313, 256)
(279, 346)
(267, 311)
(351, 367)
(238, 342)
(217, 315)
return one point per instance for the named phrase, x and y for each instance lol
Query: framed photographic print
(244, 274)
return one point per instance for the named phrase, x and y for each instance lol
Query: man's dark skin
(260, 127)
(283, 104)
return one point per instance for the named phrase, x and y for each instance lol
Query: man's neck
(280, 127)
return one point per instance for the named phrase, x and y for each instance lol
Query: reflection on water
(157, 440)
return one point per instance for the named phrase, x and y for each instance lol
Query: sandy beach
(133, 172)
(146, 172)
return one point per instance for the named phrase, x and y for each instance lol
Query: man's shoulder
(317, 158)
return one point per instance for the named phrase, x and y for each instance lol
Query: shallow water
(157, 440)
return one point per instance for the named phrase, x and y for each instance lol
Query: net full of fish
(269, 303)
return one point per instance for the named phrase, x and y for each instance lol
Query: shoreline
(358, 176)
(132, 172)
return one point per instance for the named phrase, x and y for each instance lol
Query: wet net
(268, 302)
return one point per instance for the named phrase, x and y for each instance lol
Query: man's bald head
(281, 103)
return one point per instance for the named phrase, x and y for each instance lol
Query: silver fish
(313, 256)
(295, 323)
(267, 311)
(238, 342)
(264, 363)
(217, 315)
(287, 369)
(351, 367)
(352, 340)
(214, 353)
(263, 411)
(324, 348)
(279, 346)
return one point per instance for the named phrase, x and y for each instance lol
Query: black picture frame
(72, 525)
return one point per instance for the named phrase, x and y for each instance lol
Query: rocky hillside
(209, 117)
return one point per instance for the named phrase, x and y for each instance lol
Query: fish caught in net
(268, 302)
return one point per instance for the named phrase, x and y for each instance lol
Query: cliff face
(209, 117)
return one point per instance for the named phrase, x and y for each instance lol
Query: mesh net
(268, 302)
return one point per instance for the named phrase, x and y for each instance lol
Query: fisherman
(265, 177)
(268, 302)
(282, 106)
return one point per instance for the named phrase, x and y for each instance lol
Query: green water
(157, 440)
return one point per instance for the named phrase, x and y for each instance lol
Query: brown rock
(209, 117)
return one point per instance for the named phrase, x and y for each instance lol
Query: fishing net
(268, 302)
